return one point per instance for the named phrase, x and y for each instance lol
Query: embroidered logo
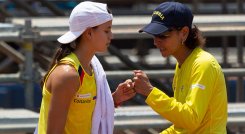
(159, 14)
(82, 101)
(83, 96)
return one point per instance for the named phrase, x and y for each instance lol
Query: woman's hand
(124, 92)
(142, 84)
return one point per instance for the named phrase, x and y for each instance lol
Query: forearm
(181, 115)
(56, 123)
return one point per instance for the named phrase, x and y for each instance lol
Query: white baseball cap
(84, 15)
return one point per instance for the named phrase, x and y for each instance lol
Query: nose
(111, 36)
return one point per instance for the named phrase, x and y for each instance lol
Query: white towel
(36, 130)
(103, 116)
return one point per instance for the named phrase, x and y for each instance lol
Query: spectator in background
(199, 105)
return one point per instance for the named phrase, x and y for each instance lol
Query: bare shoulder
(64, 77)
(65, 72)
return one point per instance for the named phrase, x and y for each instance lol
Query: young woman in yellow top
(199, 105)
(70, 86)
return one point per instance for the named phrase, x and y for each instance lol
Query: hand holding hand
(124, 92)
(142, 84)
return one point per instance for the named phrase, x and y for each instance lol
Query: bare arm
(63, 84)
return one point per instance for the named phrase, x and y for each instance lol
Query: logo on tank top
(84, 98)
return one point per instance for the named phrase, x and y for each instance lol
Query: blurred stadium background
(28, 33)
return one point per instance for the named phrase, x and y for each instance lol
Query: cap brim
(154, 28)
(69, 37)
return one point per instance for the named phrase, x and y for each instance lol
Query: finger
(140, 73)
(128, 80)
(129, 96)
(125, 87)
(125, 90)
(128, 83)
(133, 84)
(140, 76)
(135, 79)
(121, 85)
(128, 93)
(137, 71)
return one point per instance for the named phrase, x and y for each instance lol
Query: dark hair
(109, 10)
(61, 52)
(195, 38)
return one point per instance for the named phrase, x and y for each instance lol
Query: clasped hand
(128, 89)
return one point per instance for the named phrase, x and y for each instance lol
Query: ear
(185, 33)
(88, 33)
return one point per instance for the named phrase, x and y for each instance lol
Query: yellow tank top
(79, 119)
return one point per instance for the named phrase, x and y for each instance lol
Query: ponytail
(195, 38)
(61, 52)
